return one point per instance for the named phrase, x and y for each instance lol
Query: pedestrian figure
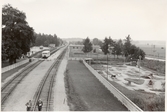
(39, 104)
(29, 105)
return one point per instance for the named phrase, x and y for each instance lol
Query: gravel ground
(90, 91)
(26, 89)
(60, 98)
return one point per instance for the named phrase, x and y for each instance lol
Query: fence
(5, 69)
(120, 96)
(75, 58)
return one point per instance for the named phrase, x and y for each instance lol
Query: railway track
(44, 91)
(39, 54)
(9, 86)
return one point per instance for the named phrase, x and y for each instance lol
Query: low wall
(75, 58)
(120, 96)
(5, 69)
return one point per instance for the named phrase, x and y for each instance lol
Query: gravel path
(94, 95)
(26, 89)
(60, 100)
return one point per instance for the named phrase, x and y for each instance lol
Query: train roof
(46, 51)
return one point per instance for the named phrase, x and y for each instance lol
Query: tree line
(45, 40)
(117, 48)
(18, 36)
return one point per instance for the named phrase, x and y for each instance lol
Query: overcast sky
(142, 19)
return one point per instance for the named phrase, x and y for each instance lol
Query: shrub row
(158, 66)
(157, 103)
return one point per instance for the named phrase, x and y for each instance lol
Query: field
(154, 49)
(154, 52)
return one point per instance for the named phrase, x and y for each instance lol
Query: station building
(78, 48)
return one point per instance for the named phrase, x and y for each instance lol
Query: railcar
(45, 54)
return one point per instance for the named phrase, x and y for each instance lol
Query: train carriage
(45, 54)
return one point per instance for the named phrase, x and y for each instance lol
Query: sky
(141, 19)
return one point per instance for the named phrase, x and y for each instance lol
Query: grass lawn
(85, 92)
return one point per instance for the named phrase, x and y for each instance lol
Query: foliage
(156, 103)
(158, 66)
(87, 45)
(45, 40)
(131, 51)
(118, 48)
(107, 43)
(127, 46)
(96, 41)
(94, 51)
(17, 35)
(135, 52)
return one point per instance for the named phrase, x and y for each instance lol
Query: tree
(94, 51)
(131, 51)
(45, 40)
(127, 46)
(17, 35)
(87, 45)
(117, 50)
(107, 42)
(135, 52)
(96, 41)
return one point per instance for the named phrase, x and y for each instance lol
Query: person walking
(39, 104)
(29, 105)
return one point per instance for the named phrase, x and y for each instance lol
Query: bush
(158, 66)
(156, 103)
(139, 102)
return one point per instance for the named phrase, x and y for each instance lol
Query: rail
(48, 78)
(8, 87)
(120, 96)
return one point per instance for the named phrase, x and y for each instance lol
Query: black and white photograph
(83, 55)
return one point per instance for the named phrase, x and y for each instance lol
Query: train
(45, 54)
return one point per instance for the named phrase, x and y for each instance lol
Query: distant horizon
(111, 38)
